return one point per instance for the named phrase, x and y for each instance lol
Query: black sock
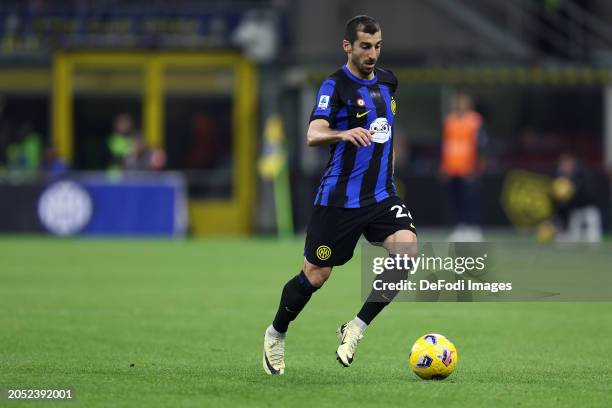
(370, 310)
(296, 294)
(378, 300)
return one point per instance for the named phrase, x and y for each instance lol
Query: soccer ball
(433, 357)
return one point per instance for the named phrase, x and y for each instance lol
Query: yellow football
(433, 357)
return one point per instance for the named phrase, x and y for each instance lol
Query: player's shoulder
(333, 81)
(386, 77)
(385, 74)
(339, 77)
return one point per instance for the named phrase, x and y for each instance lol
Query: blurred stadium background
(172, 119)
(190, 117)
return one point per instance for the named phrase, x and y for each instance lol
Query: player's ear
(346, 45)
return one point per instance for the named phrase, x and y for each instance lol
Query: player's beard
(363, 69)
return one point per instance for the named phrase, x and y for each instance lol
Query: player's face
(463, 103)
(364, 52)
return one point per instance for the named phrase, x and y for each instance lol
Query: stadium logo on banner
(64, 208)
(323, 252)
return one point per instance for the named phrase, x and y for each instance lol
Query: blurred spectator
(142, 158)
(128, 149)
(23, 157)
(462, 162)
(576, 214)
(122, 142)
(205, 150)
(53, 165)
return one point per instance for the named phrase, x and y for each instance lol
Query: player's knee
(316, 275)
(403, 242)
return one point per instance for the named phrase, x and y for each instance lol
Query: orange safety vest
(460, 144)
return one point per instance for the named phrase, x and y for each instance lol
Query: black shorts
(333, 232)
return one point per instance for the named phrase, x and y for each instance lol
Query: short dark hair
(363, 23)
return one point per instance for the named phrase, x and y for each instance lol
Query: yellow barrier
(206, 216)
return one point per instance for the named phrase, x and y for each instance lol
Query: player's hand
(358, 136)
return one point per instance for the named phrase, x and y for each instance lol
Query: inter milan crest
(323, 252)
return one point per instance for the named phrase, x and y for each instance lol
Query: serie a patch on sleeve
(323, 102)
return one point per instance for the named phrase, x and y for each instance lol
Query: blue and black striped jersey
(358, 176)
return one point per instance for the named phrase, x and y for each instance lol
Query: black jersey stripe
(338, 197)
(368, 184)
(325, 174)
(390, 187)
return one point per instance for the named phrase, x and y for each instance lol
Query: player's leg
(295, 295)
(297, 292)
(394, 228)
(402, 242)
(330, 240)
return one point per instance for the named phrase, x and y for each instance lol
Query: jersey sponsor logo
(362, 114)
(323, 102)
(382, 130)
(323, 252)
(393, 105)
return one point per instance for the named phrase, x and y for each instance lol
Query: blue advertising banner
(98, 204)
(136, 205)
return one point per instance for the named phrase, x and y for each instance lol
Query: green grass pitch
(181, 323)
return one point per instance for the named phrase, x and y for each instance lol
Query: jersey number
(400, 209)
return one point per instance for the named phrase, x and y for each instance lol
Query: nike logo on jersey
(361, 115)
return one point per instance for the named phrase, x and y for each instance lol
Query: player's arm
(319, 133)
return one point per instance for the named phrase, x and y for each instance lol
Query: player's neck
(353, 70)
